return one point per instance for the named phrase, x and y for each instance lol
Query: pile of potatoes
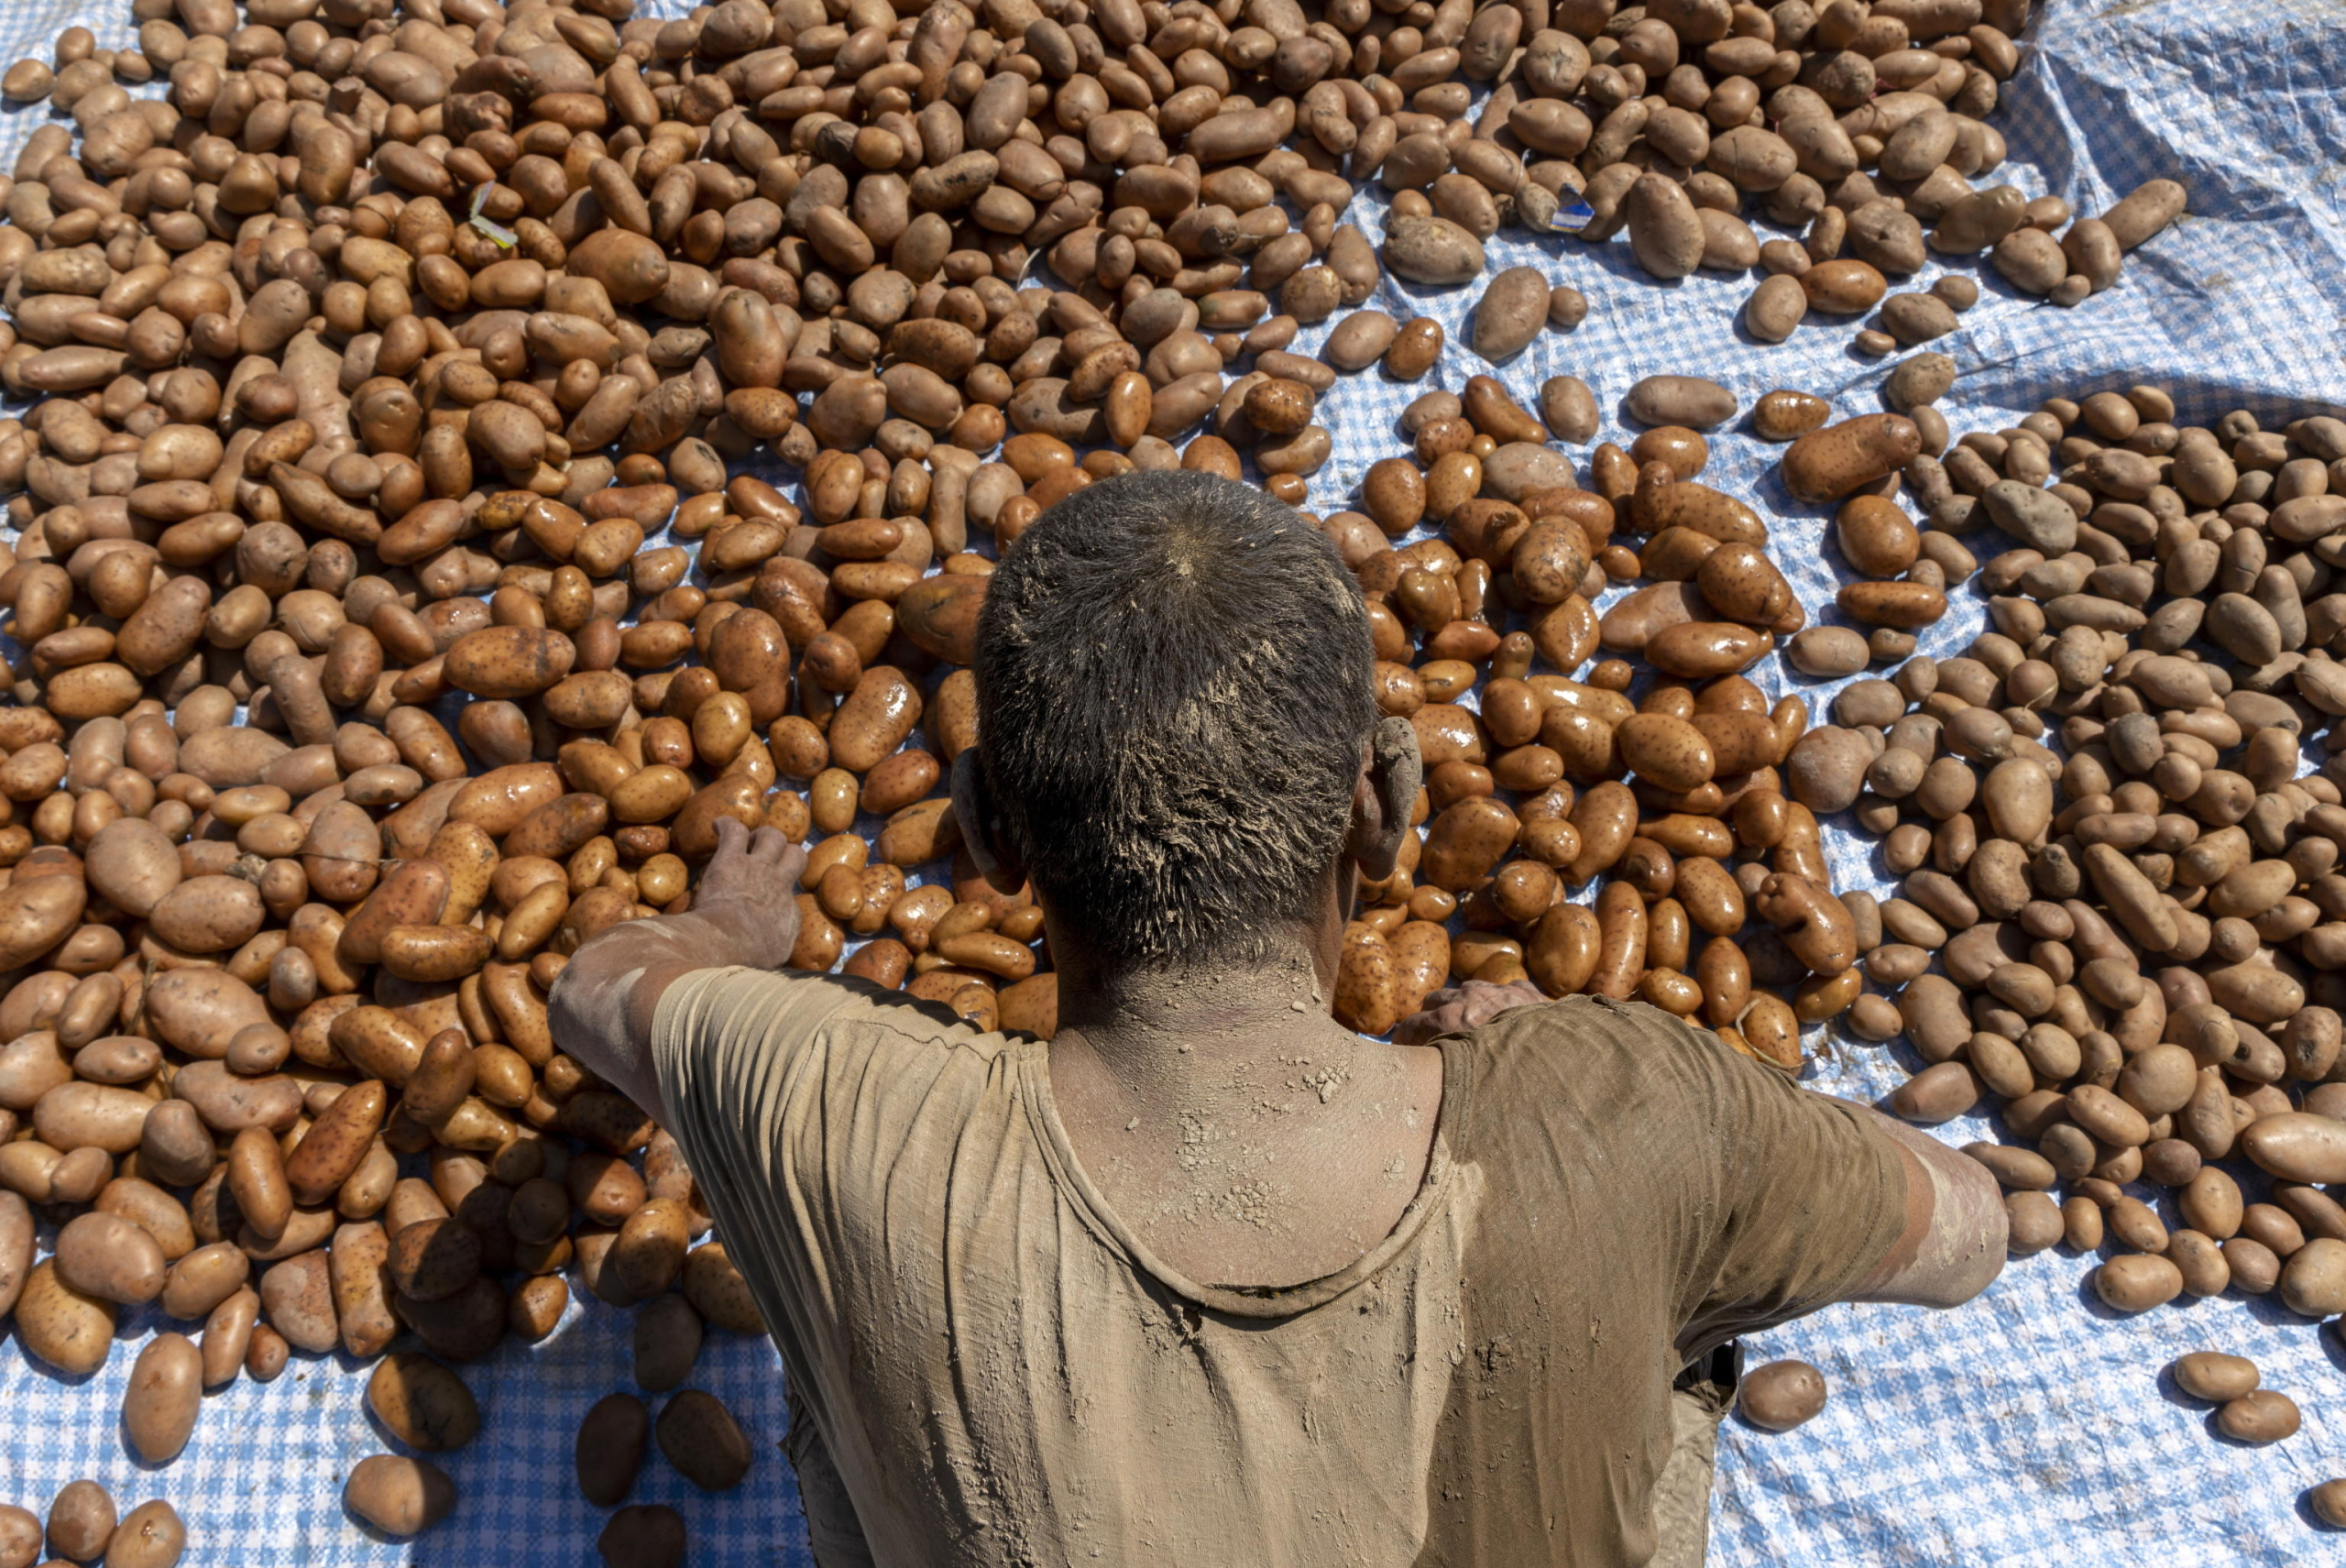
(2136, 944)
(1861, 125)
(1553, 782)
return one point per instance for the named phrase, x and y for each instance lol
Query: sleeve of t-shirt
(1811, 1199)
(791, 1096)
(778, 1086)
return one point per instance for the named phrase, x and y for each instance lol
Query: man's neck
(1163, 1033)
(1247, 1135)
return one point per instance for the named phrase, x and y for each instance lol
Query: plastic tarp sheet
(2029, 1426)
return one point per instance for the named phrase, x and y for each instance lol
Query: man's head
(1175, 717)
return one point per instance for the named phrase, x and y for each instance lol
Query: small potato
(1780, 1395)
(702, 1440)
(228, 1332)
(398, 1495)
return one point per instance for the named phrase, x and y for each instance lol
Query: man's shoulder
(713, 1000)
(1590, 1066)
(1580, 1034)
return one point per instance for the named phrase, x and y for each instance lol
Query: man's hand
(749, 896)
(744, 912)
(1459, 1008)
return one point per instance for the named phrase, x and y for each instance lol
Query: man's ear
(981, 827)
(1384, 797)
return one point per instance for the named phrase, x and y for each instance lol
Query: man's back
(999, 1372)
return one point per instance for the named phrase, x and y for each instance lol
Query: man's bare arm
(744, 912)
(1953, 1245)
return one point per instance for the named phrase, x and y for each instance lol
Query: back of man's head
(1174, 687)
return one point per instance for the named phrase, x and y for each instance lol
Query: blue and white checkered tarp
(2031, 1427)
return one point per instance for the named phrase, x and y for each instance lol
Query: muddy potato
(397, 1495)
(1780, 1395)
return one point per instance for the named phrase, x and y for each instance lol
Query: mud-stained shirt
(987, 1367)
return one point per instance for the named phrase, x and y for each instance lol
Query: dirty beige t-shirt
(987, 1367)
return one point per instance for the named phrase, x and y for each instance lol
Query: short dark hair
(1175, 686)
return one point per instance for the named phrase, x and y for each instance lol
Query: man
(1208, 1279)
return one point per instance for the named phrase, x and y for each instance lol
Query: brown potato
(2264, 1415)
(609, 1449)
(158, 1408)
(422, 1403)
(699, 1436)
(2213, 1375)
(1780, 1395)
(398, 1495)
(71, 1330)
(667, 1343)
(149, 1536)
(643, 1535)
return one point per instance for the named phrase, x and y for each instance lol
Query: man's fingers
(732, 838)
(1420, 1027)
(766, 846)
(791, 865)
